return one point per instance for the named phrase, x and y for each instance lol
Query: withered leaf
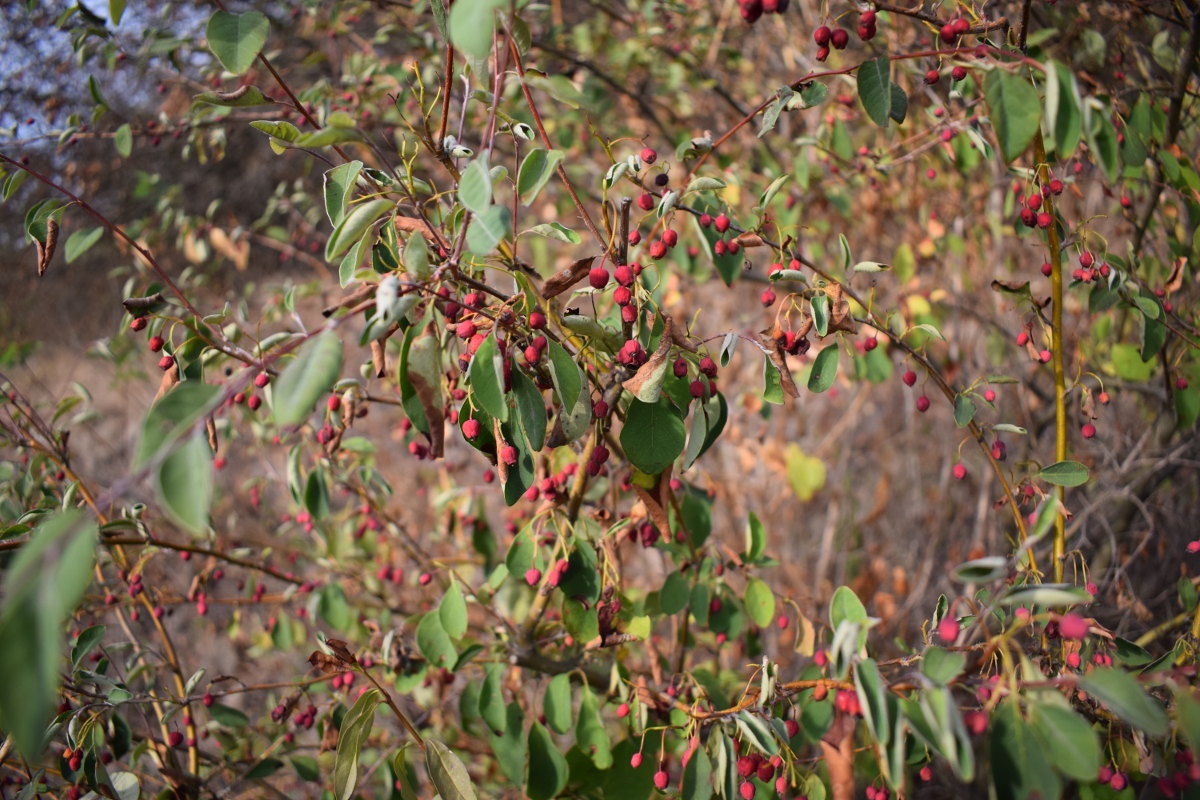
(327, 664)
(410, 224)
(559, 282)
(45, 251)
(770, 346)
(749, 239)
(1175, 279)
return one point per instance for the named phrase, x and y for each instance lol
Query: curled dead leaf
(559, 282)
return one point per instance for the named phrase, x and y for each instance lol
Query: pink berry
(1088, 430)
(960, 471)
(471, 428)
(166, 362)
(261, 379)
(636, 761)
(645, 201)
(508, 454)
(721, 223)
(909, 378)
(648, 155)
(537, 320)
(948, 630)
(661, 779)
(533, 576)
(767, 298)
(1073, 626)
(670, 238)
(922, 404)
(989, 395)
(138, 323)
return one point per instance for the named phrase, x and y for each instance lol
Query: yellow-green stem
(1056, 350)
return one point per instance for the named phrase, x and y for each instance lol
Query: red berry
(645, 201)
(1044, 220)
(839, 39)
(165, 363)
(931, 77)
(989, 395)
(1086, 259)
(958, 73)
(1047, 269)
(1181, 383)
(471, 428)
(623, 275)
(253, 402)
(746, 790)
(1056, 186)
(822, 53)
(922, 404)
(139, 323)
(705, 220)
(622, 296)
(793, 727)
(156, 343)
(867, 17)
(871, 343)
(960, 471)
(767, 298)
(948, 629)
(207, 699)
(1073, 626)
(635, 238)
(722, 223)
(1044, 356)
(821, 36)
(661, 779)
(1103, 398)
(680, 367)
(1022, 338)
(508, 454)
(262, 379)
(670, 238)
(598, 278)
(909, 378)
(636, 761)
(648, 155)
(658, 249)
(708, 367)
(465, 330)
(537, 320)
(533, 576)
(175, 738)
(1088, 430)
(948, 34)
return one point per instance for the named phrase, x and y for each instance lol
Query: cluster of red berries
(839, 38)
(752, 10)
(1032, 214)
(632, 354)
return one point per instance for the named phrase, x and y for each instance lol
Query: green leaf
(845, 606)
(339, 185)
(536, 170)
(556, 230)
(1123, 695)
(756, 538)
(228, 716)
(675, 593)
(590, 735)
(1068, 739)
(1064, 473)
(820, 313)
(942, 666)
(547, 767)
(1102, 140)
(184, 481)
(475, 187)
(447, 771)
(263, 769)
(453, 611)
(757, 733)
(311, 374)
(567, 376)
(1020, 769)
(356, 727)
(89, 638)
(964, 410)
(760, 602)
(1187, 717)
(874, 89)
(557, 703)
(982, 570)
(175, 415)
(491, 699)
(1045, 594)
(899, 110)
(354, 225)
(824, 369)
(1016, 111)
(307, 768)
(471, 25)
(81, 241)
(511, 748)
(698, 780)
(123, 140)
(434, 642)
(653, 435)
(531, 409)
(44, 582)
(116, 10)
(488, 228)
(237, 39)
(486, 379)
(873, 697)
(333, 608)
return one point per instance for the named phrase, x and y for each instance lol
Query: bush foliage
(598, 400)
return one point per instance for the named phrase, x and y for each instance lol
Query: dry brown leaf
(170, 378)
(237, 252)
(1175, 279)
(564, 279)
(45, 252)
(410, 224)
(771, 345)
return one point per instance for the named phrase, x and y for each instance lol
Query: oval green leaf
(1016, 111)
(824, 369)
(447, 771)
(1065, 473)
(310, 375)
(237, 39)
(653, 436)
